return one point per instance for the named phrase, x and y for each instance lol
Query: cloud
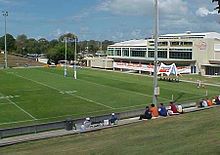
(142, 7)
(58, 32)
(137, 33)
(205, 12)
(173, 6)
(84, 14)
(5, 1)
(129, 7)
(10, 1)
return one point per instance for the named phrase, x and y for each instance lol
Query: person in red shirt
(172, 109)
(154, 111)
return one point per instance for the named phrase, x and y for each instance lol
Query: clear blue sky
(106, 19)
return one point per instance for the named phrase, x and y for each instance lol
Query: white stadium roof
(141, 42)
(188, 34)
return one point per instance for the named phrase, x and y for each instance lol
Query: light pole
(65, 66)
(156, 31)
(5, 14)
(75, 58)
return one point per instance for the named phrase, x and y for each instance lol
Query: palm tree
(218, 7)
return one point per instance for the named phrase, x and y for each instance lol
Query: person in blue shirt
(113, 119)
(162, 110)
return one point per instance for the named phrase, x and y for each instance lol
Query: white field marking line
(207, 84)
(141, 94)
(20, 108)
(17, 122)
(78, 96)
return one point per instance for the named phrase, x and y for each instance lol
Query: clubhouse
(194, 53)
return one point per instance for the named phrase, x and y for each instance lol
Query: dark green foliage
(10, 43)
(54, 49)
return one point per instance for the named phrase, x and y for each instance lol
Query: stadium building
(191, 52)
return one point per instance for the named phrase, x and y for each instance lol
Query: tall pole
(75, 59)
(156, 88)
(5, 14)
(65, 66)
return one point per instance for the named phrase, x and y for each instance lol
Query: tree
(68, 35)
(218, 7)
(43, 45)
(10, 40)
(56, 53)
(32, 46)
(53, 43)
(21, 44)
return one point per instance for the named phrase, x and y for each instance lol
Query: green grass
(43, 94)
(193, 133)
(204, 79)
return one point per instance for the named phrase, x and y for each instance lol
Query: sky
(115, 20)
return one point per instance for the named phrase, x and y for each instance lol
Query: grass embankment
(193, 133)
(17, 61)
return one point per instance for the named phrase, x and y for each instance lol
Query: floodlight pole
(65, 66)
(156, 29)
(5, 14)
(75, 77)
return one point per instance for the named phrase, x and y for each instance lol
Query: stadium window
(150, 54)
(138, 52)
(118, 52)
(164, 43)
(110, 51)
(182, 55)
(188, 44)
(125, 52)
(162, 54)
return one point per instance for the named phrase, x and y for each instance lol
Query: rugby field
(33, 95)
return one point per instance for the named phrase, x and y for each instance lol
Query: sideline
(207, 84)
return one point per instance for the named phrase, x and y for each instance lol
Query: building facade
(196, 52)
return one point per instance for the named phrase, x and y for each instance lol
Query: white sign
(150, 68)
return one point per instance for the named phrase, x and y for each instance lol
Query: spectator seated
(172, 110)
(113, 119)
(86, 124)
(162, 110)
(154, 111)
(146, 115)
